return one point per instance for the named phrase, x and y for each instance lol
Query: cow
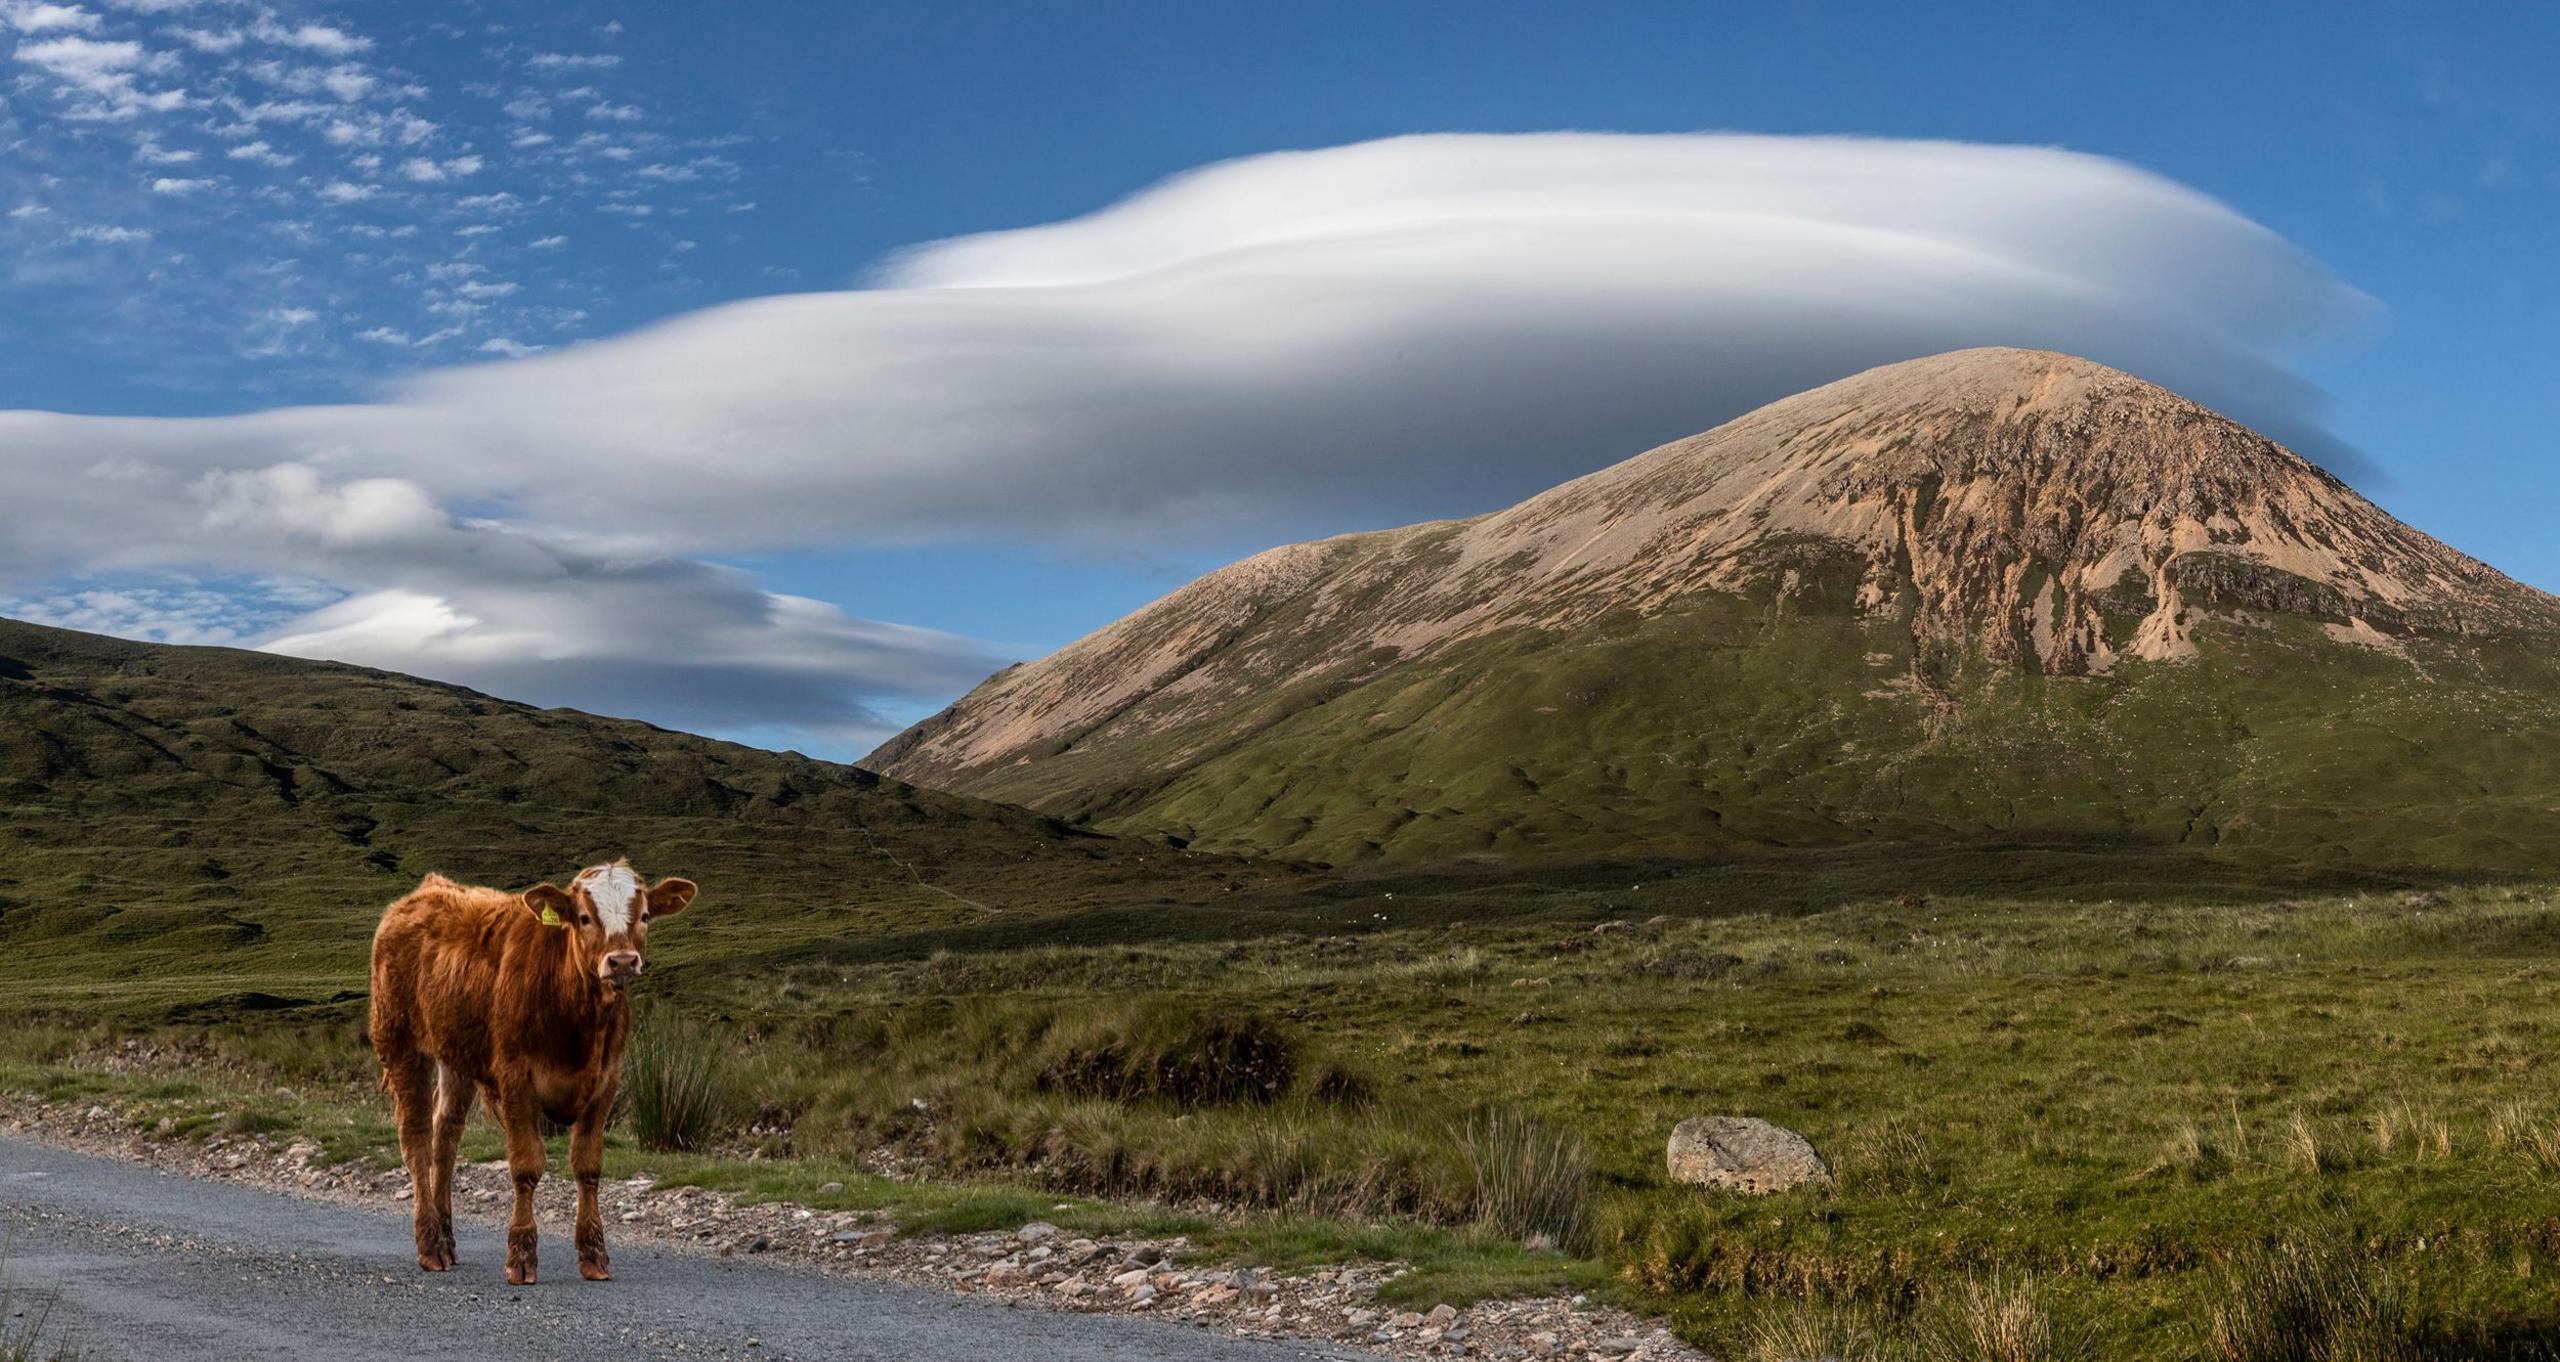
(523, 1000)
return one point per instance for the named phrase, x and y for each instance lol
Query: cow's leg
(586, 1159)
(453, 1111)
(411, 1080)
(524, 1159)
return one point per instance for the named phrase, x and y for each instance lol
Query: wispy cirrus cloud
(273, 131)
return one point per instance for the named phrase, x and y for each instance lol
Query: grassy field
(2126, 1104)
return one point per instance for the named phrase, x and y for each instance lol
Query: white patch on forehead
(613, 889)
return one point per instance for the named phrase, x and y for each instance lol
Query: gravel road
(144, 1266)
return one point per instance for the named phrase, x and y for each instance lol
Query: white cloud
(341, 191)
(152, 153)
(105, 73)
(547, 243)
(263, 154)
(37, 210)
(558, 61)
(346, 82)
(427, 170)
(1256, 351)
(167, 185)
(509, 347)
(40, 18)
(612, 112)
(111, 235)
(210, 40)
(83, 61)
(384, 335)
(320, 38)
(716, 167)
(293, 316)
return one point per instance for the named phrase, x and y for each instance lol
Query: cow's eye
(582, 919)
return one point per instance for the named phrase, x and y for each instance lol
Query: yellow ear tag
(548, 918)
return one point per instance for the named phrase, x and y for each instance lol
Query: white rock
(1742, 1154)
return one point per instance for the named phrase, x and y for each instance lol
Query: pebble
(1036, 1263)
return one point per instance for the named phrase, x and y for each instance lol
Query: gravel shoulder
(147, 1264)
(245, 1247)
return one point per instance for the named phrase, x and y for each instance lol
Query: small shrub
(1532, 1180)
(676, 1083)
(1172, 1053)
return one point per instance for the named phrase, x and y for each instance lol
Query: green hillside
(1733, 725)
(1992, 594)
(177, 823)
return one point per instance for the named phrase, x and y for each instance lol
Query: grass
(677, 1087)
(1726, 724)
(27, 1332)
(2066, 1124)
(1532, 1179)
(2307, 1298)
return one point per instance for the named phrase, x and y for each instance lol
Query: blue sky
(225, 209)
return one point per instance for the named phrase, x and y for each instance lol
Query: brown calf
(518, 998)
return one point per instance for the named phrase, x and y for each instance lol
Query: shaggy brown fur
(475, 994)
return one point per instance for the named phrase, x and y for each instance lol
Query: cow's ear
(551, 904)
(669, 896)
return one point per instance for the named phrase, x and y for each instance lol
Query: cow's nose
(623, 962)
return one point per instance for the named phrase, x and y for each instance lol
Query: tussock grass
(1532, 1179)
(1816, 1332)
(2527, 1130)
(2412, 1131)
(2310, 1148)
(1901, 1154)
(2310, 1297)
(1997, 1319)
(679, 1090)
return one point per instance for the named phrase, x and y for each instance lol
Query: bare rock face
(1743, 1154)
(1988, 591)
(2058, 514)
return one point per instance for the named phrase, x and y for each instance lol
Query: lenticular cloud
(1261, 349)
(1413, 327)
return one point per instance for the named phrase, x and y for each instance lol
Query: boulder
(1743, 1154)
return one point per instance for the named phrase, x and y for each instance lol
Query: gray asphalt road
(145, 1266)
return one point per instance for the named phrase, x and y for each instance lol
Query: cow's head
(609, 913)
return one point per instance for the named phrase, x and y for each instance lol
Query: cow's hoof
(519, 1276)
(595, 1272)
(431, 1262)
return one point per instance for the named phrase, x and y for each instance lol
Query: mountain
(171, 816)
(1986, 593)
